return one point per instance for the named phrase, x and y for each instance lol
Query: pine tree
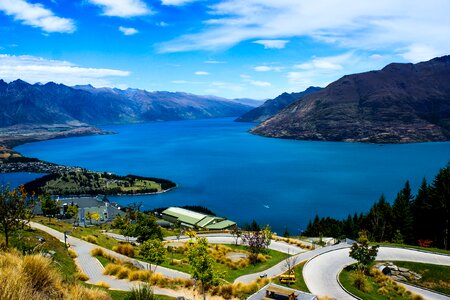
(440, 207)
(379, 220)
(402, 215)
(421, 209)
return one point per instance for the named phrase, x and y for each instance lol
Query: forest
(421, 219)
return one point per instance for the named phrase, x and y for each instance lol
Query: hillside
(273, 106)
(401, 103)
(38, 104)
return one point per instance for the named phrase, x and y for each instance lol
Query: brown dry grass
(125, 249)
(33, 277)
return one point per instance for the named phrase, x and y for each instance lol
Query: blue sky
(231, 48)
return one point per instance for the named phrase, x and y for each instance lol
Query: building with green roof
(192, 219)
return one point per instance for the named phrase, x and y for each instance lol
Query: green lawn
(28, 242)
(300, 282)
(434, 277)
(436, 250)
(79, 232)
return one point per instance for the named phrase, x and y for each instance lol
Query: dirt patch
(236, 256)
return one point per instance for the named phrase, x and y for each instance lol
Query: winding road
(320, 272)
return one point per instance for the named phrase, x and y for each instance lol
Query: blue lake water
(218, 164)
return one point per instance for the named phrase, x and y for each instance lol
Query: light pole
(65, 237)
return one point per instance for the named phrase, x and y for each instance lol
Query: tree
(286, 232)
(422, 214)
(379, 220)
(362, 252)
(202, 265)
(144, 228)
(236, 232)
(290, 263)
(49, 206)
(257, 241)
(13, 209)
(72, 212)
(402, 215)
(154, 252)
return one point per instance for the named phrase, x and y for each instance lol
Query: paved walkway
(321, 272)
(92, 268)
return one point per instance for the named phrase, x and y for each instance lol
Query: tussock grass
(102, 284)
(90, 238)
(239, 290)
(32, 277)
(125, 249)
(72, 253)
(103, 253)
(81, 276)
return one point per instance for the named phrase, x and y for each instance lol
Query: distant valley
(401, 103)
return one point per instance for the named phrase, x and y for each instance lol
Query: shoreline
(12, 161)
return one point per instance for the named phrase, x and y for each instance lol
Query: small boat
(266, 206)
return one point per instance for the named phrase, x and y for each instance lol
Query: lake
(218, 164)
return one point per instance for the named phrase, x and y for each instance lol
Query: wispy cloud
(36, 15)
(36, 69)
(272, 44)
(259, 83)
(265, 68)
(369, 25)
(122, 8)
(201, 73)
(177, 2)
(128, 30)
(211, 61)
(162, 24)
(328, 63)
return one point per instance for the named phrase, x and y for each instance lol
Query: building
(100, 204)
(275, 291)
(192, 219)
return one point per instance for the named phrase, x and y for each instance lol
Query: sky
(230, 48)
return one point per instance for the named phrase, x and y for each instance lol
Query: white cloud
(36, 15)
(201, 73)
(211, 61)
(351, 24)
(122, 8)
(176, 2)
(128, 30)
(267, 68)
(329, 62)
(36, 69)
(162, 24)
(259, 83)
(419, 52)
(272, 44)
(245, 76)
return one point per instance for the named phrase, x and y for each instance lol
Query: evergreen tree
(440, 207)
(402, 215)
(422, 215)
(379, 220)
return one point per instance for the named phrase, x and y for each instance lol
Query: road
(321, 272)
(92, 267)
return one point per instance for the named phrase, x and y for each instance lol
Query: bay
(218, 164)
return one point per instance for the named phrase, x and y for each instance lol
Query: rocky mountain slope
(399, 104)
(26, 104)
(273, 106)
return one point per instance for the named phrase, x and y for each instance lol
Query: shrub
(360, 282)
(125, 249)
(112, 269)
(40, 275)
(141, 292)
(81, 276)
(123, 273)
(72, 253)
(141, 275)
(102, 284)
(98, 252)
(383, 291)
(90, 238)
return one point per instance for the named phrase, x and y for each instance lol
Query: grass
(300, 282)
(434, 277)
(381, 288)
(430, 249)
(120, 295)
(102, 260)
(62, 260)
(79, 232)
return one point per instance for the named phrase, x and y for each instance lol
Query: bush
(90, 238)
(81, 276)
(361, 282)
(125, 249)
(98, 252)
(72, 253)
(102, 284)
(141, 292)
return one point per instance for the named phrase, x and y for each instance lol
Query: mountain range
(399, 104)
(35, 104)
(273, 106)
